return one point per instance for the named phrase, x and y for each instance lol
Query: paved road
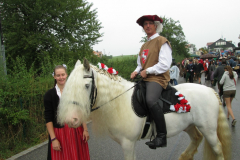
(107, 149)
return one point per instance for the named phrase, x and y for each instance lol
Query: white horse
(118, 120)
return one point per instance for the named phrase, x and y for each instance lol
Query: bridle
(93, 94)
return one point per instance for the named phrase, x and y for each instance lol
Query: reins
(114, 98)
(140, 79)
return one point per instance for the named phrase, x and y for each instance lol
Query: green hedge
(21, 105)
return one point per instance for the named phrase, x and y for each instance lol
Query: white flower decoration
(65, 66)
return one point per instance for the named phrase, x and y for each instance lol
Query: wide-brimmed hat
(141, 20)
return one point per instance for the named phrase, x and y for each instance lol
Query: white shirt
(58, 91)
(164, 59)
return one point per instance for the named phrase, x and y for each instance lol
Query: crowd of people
(222, 72)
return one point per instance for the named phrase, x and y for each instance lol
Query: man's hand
(133, 74)
(143, 74)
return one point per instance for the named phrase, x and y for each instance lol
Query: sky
(202, 21)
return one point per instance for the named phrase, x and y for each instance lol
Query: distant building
(237, 49)
(98, 53)
(220, 45)
(192, 48)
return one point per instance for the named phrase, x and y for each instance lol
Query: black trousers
(153, 93)
(191, 77)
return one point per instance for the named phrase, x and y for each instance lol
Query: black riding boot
(158, 117)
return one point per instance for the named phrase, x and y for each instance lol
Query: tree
(173, 31)
(58, 28)
(204, 50)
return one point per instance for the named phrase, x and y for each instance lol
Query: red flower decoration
(183, 101)
(102, 65)
(112, 71)
(180, 95)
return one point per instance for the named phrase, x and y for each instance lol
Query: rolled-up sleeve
(139, 66)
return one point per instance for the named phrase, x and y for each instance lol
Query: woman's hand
(85, 135)
(56, 145)
(133, 74)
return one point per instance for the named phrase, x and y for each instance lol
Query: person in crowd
(154, 61)
(203, 72)
(232, 63)
(186, 72)
(220, 61)
(211, 69)
(190, 70)
(206, 66)
(194, 65)
(174, 73)
(218, 74)
(182, 70)
(229, 82)
(64, 142)
(198, 69)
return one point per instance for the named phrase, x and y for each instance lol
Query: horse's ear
(77, 63)
(86, 64)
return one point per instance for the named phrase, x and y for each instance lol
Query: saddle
(139, 105)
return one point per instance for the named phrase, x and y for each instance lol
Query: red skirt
(73, 147)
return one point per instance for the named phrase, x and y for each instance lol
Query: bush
(21, 105)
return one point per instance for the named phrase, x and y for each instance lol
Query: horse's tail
(223, 133)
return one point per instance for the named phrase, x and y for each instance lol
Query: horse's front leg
(128, 149)
(127, 145)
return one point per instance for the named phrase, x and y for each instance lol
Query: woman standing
(64, 143)
(229, 81)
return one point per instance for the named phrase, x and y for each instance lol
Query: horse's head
(78, 96)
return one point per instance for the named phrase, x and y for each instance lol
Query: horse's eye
(87, 85)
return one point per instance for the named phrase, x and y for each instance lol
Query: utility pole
(2, 53)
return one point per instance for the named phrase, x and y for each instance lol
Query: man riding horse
(154, 61)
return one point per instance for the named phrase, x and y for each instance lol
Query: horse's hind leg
(212, 145)
(196, 138)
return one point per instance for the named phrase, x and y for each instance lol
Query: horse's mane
(106, 73)
(109, 87)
